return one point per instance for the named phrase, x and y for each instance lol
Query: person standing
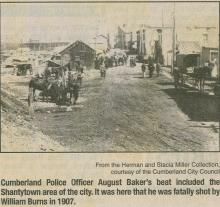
(158, 68)
(77, 66)
(150, 66)
(103, 70)
(143, 68)
(214, 72)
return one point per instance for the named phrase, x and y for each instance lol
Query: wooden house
(77, 52)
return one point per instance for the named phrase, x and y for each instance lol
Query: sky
(71, 21)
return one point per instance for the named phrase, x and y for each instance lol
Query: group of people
(63, 72)
(151, 67)
(110, 60)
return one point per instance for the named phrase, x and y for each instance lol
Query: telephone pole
(219, 76)
(219, 59)
(174, 40)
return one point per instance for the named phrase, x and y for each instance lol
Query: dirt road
(125, 112)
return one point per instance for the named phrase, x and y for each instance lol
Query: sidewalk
(208, 84)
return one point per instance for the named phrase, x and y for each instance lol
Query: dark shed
(78, 52)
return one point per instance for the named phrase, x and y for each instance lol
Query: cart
(22, 69)
(187, 64)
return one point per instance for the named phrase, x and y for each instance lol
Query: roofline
(74, 43)
(52, 62)
(213, 48)
(189, 54)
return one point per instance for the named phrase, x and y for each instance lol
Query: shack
(78, 52)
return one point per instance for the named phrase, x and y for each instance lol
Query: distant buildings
(100, 43)
(124, 38)
(36, 45)
(141, 40)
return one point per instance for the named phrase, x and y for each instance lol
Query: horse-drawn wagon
(187, 64)
(190, 70)
(61, 86)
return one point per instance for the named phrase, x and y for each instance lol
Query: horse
(41, 85)
(200, 74)
(48, 87)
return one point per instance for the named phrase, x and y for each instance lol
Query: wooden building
(78, 52)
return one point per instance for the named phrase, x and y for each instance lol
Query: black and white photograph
(110, 77)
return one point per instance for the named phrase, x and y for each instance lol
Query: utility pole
(96, 33)
(95, 43)
(219, 76)
(219, 61)
(162, 30)
(174, 42)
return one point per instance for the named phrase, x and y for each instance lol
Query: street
(126, 113)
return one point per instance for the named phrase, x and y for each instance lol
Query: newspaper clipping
(110, 103)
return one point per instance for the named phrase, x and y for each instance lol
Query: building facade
(78, 52)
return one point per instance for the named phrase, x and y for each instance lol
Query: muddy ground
(125, 112)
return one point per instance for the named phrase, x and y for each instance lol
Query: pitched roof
(189, 47)
(74, 44)
(53, 63)
(58, 49)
